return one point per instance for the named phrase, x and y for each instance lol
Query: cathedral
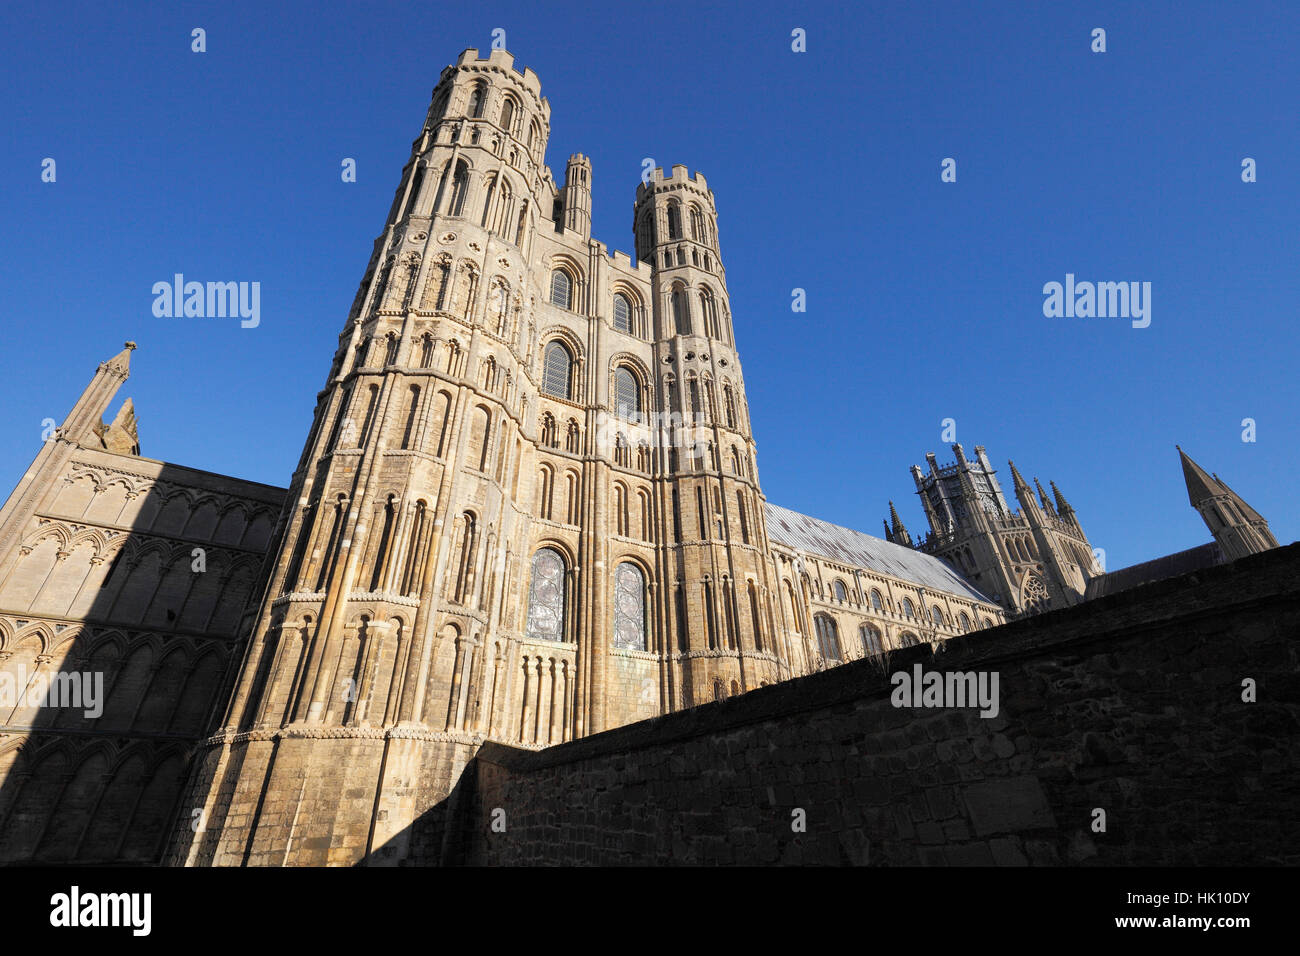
(528, 509)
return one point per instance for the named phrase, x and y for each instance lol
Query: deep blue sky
(924, 298)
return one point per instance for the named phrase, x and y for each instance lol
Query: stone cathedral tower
(527, 510)
(1028, 560)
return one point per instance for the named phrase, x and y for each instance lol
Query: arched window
(487, 199)
(876, 603)
(697, 223)
(410, 574)
(561, 288)
(646, 236)
(674, 221)
(907, 639)
(908, 611)
(627, 393)
(729, 403)
(465, 575)
(417, 182)
(385, 541)
(459, 189)
(681, 311)
(987, 622)
(841, 593)
(412, 406)
(622, 313)
(477, 96)
(709, 313)
(508, 115)
(828, 638)
(557, 368)
(545, 492)
(936, 615)
(501, 220)
(629, 607)
(546, 596)
(871, 643)
(964, 622)
(426, 351)
(522, 229)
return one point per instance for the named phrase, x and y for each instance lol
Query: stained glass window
(629, 607)
(546, 597)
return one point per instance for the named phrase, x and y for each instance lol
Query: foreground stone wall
(1131, 704)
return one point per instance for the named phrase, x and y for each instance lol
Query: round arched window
(557, 364)
(627, 393)
(629, 607)
(622, 313)
(546, 596)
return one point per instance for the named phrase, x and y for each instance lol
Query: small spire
(121, 362)
(1062, 505)
(1015, 475)
(1042, 495)
(898, 533)
(893, 516)
(1200, 486)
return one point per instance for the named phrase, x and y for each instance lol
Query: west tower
(527, 509)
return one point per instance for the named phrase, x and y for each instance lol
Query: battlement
(579, 159)
(623, 261)
(504, 62)
(678, 176)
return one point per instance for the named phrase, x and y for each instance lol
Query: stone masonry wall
(1131, 704)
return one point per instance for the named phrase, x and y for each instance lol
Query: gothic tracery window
(871, 643)
(629, 607)
(546, 596)
(828, 638)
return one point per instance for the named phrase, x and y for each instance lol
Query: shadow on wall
(1157, 726)
(119, 609)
